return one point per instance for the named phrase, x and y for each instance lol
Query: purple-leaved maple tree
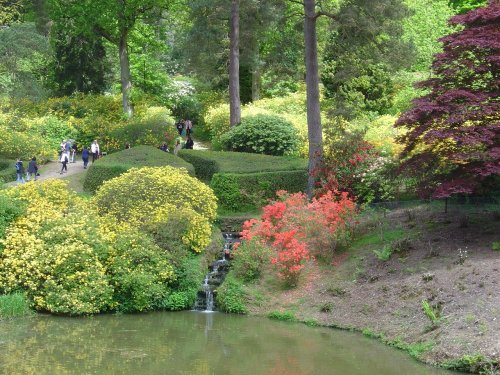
(452, 143)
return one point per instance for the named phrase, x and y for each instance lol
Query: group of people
(32, 171)
(184, 124)
(69, 149)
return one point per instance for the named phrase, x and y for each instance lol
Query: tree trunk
(234, 65)
(314, 129)
(126, 81)
(256, 78)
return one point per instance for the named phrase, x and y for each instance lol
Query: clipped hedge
(240, 192)
(207, 163)
(244, 181)
(114, 165)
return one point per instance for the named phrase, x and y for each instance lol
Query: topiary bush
(262, 134)
(118, 163)
(149, 196)
(207, 163)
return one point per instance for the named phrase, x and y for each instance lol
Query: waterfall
(215, 276)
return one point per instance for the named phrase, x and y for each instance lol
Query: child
(19, 171)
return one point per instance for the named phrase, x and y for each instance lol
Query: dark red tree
(452, 143)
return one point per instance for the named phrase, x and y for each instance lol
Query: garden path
(52, 169)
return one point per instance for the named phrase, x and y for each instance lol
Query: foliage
(69, 259)
(79, 63)
(361, 53)
(118, 163)
(25, 145)
(431, 312)
(24, 61)
(464, 6)
(424, 27)
(384, 254)
(450, 144)
(295, 228)
(153, 128)
(9, 211)
(206, 163)
(230, 296)
(261, 134)
(285, 316)
(291, 108)
(149, 196)
(7, 170)
(249, 259)
(245, 191)
(495, 246)
(14, 305)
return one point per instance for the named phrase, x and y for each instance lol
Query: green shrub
(14, 305)
(262, 134)
(9, 210)
(249, 259)
(189, 272)
(495, 246)
(138, 274)
(7, 170)
(248, 190)
(177, 301)
(285, 316)
(291, 107)
(153, 128)
(114, 165)
(231, 297)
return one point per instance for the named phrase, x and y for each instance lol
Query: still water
(191, 343)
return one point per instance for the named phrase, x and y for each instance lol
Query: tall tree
(314, 128)
(453, 140)
(113, 20)
(234, 64)
(79, 61)
(364, 49)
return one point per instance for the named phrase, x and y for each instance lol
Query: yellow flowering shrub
(145, 196)
(71, 261)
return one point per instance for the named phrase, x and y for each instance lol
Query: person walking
(64, 161)
(74, 150)
(94, 149)
(85, 156)
(189, 143)
(189, 127)
(19, 171)
(180, 126)
(32, 169)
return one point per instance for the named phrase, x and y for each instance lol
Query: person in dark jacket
(85, 156)
(189, 143)
(20, 170)
(32, 169)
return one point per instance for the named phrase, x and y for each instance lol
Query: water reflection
(190, 343)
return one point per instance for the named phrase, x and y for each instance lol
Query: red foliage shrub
(298, 230)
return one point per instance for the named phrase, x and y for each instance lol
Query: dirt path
(53, 170)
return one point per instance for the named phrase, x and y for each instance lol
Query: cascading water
(215, 276)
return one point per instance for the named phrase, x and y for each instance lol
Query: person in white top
(189, 127)
(94, 149)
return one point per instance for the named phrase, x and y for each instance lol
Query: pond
(191, 343)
